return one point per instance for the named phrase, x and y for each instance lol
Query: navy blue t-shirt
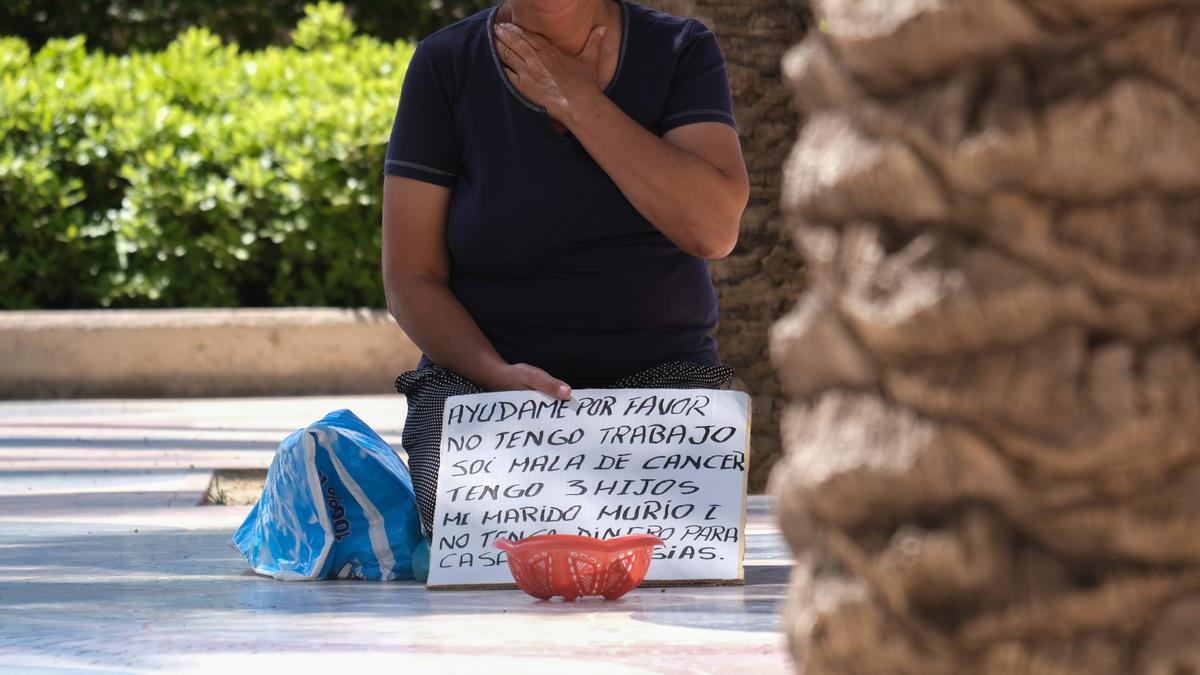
(555, 265)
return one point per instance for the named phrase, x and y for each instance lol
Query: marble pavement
(107, 564)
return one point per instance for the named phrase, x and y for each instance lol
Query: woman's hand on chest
(547, 75)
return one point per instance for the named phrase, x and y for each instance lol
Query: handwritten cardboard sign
(607, 463)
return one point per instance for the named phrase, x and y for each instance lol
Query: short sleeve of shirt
(700, 86)
(423, 144)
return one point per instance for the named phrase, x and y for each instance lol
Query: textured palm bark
(992, 445)
(759, 280)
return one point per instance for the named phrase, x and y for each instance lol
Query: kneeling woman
(558, 174)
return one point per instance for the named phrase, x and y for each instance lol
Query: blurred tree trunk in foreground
(993, 447)
(759, 280)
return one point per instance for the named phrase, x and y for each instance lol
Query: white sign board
(606, 463)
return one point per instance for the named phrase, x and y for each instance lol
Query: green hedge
(120, 26)
(199, 175)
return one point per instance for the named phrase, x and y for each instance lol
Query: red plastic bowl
(571, 565)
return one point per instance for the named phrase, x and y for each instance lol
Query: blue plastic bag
(338, 503)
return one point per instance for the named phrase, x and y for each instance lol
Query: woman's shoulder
(449, 52)
(657, 17)
(450, 38)
(665, 24)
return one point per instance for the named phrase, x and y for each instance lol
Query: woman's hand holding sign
(547, 75)
(522, 376)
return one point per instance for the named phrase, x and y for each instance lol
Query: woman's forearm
(440, 326)
(692, 202)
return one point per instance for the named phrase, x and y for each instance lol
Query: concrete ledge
(200, 352)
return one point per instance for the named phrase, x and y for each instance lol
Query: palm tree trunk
(993, 443)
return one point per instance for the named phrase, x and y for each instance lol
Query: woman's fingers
(513, 38)
(542, 381)
(509, 57)
(553, 387)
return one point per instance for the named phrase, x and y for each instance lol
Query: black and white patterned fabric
(427, 389)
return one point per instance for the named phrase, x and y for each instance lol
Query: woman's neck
(565, 23)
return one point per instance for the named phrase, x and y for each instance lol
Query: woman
(558, 174)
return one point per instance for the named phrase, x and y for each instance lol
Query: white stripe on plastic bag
(375, 525)
(310, 467)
